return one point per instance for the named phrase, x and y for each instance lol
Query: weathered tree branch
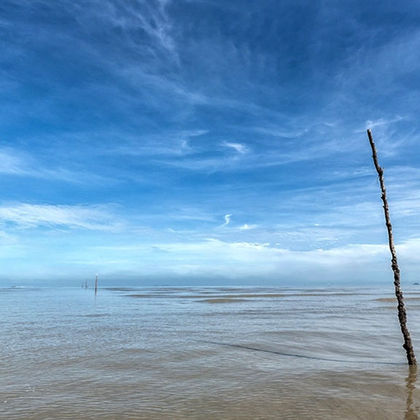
(402, 315)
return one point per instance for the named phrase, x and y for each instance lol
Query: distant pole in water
(402, 315)
(96, 285)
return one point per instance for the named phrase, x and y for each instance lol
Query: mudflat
(205, 353)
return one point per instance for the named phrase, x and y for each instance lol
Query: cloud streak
(245, 261)
(238, 147)
(30, 216)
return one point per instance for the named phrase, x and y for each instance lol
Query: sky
(208, 142)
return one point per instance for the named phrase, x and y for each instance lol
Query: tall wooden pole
(96, 285)
(402, 315)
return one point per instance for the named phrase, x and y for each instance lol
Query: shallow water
(205, 353)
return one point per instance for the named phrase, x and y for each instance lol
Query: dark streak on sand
(222, 300)
(393, 299)
(236, 296)
(301, 356)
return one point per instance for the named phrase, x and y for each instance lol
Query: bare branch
(402, 315)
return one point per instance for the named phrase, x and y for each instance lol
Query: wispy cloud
(12, 163)
(182, 111)
(243, 260)
(26, 216)
(238, 147)
(22, 164)
(227, 219)
(382, 121)
(169, 144)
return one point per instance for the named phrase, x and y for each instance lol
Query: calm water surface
(205, 353)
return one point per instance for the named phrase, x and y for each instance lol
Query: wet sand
(205, 353)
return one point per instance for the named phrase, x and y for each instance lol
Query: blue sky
(207, 142)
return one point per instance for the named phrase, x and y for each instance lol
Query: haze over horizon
(207, 142)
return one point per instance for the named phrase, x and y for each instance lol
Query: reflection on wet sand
(410, 413)
(176, 353)
(393, 299)
(223, 300)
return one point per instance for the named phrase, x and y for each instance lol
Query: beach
(206, 353)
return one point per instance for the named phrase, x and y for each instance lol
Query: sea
(206, 353)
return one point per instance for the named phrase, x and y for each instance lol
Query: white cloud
(244, 259)
(12, 163)
(247, 227)
(381, 122)
(227, 219)
(36, 215)
(282, 131)
(240, 148)
(214, 258)
(151, 18)
(171, 144)
(236, 259)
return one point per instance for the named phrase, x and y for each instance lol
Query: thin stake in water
(96, 285)
(402, 315)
